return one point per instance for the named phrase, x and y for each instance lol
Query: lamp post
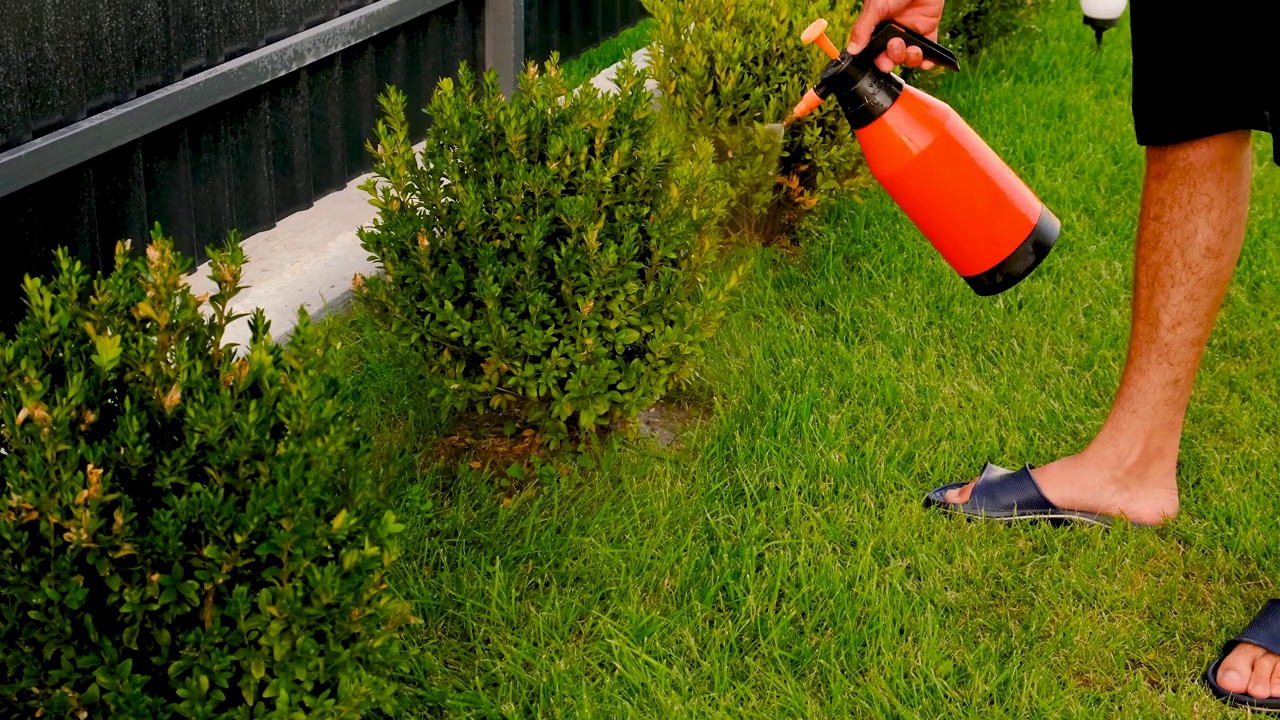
(1102, 15)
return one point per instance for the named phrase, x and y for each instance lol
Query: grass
(619, 47)
(781, 563)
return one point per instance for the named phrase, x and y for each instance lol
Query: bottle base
(1022, 261)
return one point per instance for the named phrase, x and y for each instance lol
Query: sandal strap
(1264, 631)
(1002, 490)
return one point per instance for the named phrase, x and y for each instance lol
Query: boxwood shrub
(726, 70)
(184, 530)
(550, 255)
(971, 26)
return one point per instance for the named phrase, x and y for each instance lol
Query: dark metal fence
(571, 26)
(211, 115)
(64, 60)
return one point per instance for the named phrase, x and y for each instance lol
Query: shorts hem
(1166, 135)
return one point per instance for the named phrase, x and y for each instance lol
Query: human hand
(922, 16)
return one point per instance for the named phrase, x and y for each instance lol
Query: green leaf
(91, 696)
(130, 637)
(339, 520)
(249, 689)
(106, 351)
(390, 525)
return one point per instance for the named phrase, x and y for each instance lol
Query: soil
(664, 423)
(482, 442)
(488, 447)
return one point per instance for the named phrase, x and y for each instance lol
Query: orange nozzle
(817, 32)
(811, 100)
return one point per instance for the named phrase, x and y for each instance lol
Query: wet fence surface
(75, 75)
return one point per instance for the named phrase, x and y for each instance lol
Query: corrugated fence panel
(572, 26)
(64, 60)
(243, 164)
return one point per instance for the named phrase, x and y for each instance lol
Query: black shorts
(1190, 82)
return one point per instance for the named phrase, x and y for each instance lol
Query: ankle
(1138, 458)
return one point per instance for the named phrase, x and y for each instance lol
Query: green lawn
(780, 563)
(619, 47)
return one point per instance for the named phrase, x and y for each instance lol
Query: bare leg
(1195, 203)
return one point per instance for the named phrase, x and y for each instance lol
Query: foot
(1250, 670)
(1083, 483)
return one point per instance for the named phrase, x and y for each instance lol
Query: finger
(928, 65)
(896, 51)
(915, 56)
(884, 63)
(860, 35)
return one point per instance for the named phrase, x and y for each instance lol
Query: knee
(1220, 151)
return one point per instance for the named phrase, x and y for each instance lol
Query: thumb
(867, 19)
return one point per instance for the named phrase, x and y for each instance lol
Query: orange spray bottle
(987, 224)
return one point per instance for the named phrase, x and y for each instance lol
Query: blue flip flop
(1264, 632)
(1009, 495)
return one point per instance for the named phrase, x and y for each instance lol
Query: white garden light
(1102, 15)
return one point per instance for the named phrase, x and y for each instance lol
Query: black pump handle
(888, 30)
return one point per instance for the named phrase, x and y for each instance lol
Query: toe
(960, 495)
(1264, 666)
(1275, 681)
(1237, 668)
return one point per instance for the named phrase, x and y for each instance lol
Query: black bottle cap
(866, 92)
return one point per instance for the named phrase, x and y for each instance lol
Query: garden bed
(778, 563)
(296, 525)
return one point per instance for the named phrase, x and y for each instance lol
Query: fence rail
(100, 133)
(64, 60)
(211, 115)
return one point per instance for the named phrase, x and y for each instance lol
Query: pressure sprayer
(964, 199)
